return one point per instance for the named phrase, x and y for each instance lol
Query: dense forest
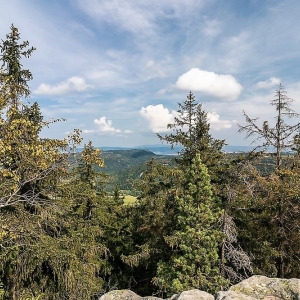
(202, 220)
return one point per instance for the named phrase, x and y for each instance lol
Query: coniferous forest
(206, 220)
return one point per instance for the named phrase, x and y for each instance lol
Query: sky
(117, 69)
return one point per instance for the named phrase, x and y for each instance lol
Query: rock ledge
(253, 288)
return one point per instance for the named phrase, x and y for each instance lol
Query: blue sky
(116, 69)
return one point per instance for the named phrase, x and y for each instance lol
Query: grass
(129, 199)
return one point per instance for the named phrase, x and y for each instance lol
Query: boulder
(120, 295)
(193, 295)
(229, 295)
(253, 288)
(264, 288)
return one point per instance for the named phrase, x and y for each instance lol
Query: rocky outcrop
(253, 288)
(261, 287)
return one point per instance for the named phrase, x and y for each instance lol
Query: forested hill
(116, 160)
(124, 166)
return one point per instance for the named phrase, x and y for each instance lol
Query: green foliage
(269, 221)
(151, 218)
(191, 130)
(126, 166)
(14, 79)
(49, 218)
(194, 262)
(118, 197)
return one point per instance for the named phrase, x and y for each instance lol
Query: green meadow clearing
(129, 199)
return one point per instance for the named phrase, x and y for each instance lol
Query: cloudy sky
(116, 69)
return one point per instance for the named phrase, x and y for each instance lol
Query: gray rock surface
(120, 295)
(253, 288)
(261, 287)
(195, 295)
(229, 295)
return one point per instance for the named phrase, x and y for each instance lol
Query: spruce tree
(194, 261)
(191, 131)
(14, 79)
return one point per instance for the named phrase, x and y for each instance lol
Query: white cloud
(221, 86)
(105, 127)
(158, 117)
(74, 83)
(216, 123)
(268, 83)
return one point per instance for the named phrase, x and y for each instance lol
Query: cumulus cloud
(216, 123)
(74, 83)
(158, 117)
(218, 85)
(105, 127)
(268, 83)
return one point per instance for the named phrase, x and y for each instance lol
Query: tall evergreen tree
(191, 131)
(14, 78)
(194, 262)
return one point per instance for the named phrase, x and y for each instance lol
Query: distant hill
(156, 149)
(125, 165)
(166, 149)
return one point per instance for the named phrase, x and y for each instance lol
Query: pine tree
(26, 160)
(118, 197)
(194, 243)
(191, 131)
(14, 78)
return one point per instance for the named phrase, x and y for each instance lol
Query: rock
(253, 288)
(125, 295)
(261, 287)
(195, 295)
(229, 295)
(120, 295)
(151, 298)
